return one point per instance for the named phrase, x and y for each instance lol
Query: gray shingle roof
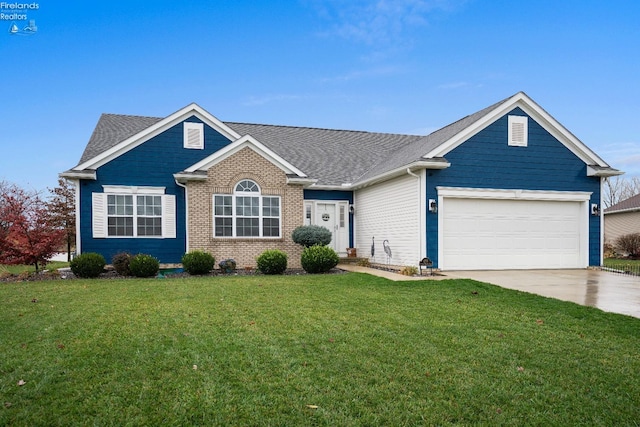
(414, 150)
(113, 129)
(333, 157)
(632, 203)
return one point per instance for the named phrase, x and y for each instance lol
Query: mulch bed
(110, 273)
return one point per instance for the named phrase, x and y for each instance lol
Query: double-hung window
(246, 213)
(123, 211)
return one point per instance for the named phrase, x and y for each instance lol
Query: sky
(397, 66)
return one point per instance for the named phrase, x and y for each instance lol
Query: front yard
(348, 349)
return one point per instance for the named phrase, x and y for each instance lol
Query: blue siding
(333, 195)
(150, 164)
(487, 161)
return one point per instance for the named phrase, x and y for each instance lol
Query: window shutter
(99, 217)
(518, 131)
(169, 216)
(193, 135)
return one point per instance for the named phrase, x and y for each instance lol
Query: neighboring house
(507, 187)
(622, 218)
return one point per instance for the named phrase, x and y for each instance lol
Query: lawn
(622, 263)
(17, 269)
(346, 349)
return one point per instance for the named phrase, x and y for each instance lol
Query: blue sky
(400, 66)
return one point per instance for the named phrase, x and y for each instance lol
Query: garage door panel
(510, 234)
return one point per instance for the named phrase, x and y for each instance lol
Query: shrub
(311, 235)
(409, 270)
(318, 259)
(120, 262)
(630, 244)
(227, 265)
(363, 263)
(272, 261)
(198, 262)
(143, 265)
(88, 265)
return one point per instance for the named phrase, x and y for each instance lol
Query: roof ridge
(321, 128)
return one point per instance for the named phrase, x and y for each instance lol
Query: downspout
(422, 235)
(186, 214)
(77, 203)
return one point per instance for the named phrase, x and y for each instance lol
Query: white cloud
(385, 22)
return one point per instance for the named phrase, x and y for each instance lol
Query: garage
(532, 230)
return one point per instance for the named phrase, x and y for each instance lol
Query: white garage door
(510, 234)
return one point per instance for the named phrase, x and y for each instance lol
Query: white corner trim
(517, 194)
(129, 189)
(239, 144)
(156, 129)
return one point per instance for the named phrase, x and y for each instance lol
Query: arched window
(246, 213)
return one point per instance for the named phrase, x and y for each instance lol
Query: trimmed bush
(319, 259)
(629, 244)
(272, 261)
(88, 265)
(310, 235)
(143, 265)
(120, 262)
(198, 262)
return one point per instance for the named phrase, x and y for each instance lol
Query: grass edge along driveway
(347, 349)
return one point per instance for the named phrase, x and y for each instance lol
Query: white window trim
(516, 122)
(234, 217)
(193, 136)
(100, 216)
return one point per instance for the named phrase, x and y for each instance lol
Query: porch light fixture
(433, 206)
(352, 209)
(595, 209)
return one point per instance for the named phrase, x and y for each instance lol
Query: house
(507, 187)
(622, 218)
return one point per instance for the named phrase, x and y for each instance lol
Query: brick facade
(221, 179)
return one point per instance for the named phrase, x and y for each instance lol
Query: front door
(334, 217)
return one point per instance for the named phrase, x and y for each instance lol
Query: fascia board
(239, 144)
(629, 210)
(301, 181)
(400, 171)
(185, 177)
(81, 174)
(156, 129)
(537, 113)
(591, 171)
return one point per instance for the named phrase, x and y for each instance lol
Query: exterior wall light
(433, 206)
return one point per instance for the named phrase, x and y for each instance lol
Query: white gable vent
(193, 135)
(518, 131)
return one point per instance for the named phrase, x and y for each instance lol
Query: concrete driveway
(617, 293)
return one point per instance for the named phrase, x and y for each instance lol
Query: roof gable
(461, 131)
(105, 144)
(246, 141)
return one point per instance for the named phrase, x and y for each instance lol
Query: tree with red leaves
(62, 211)
(27, 234)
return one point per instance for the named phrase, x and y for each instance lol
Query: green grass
(17, 269)
(620, 263)
(330, 350)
